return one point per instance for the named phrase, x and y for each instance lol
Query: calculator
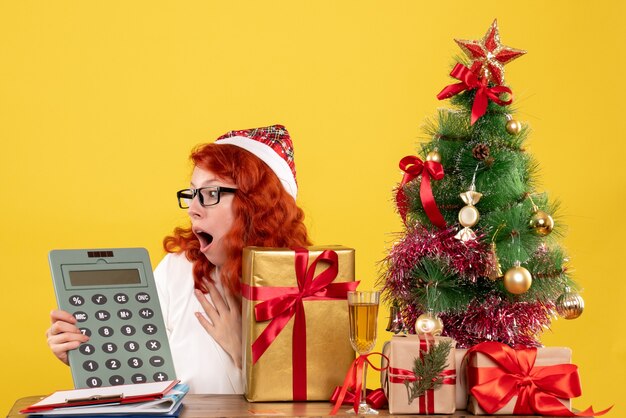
(113, 296)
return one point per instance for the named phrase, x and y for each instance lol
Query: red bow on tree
(413, 167)
(484, 93)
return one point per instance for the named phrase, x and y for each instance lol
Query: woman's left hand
(224, 323)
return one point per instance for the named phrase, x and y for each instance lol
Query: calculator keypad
(125, 342)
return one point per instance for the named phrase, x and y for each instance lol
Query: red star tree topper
(488, 55)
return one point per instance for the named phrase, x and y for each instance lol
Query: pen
(114, 397)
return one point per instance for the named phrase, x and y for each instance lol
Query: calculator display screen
(104, 277)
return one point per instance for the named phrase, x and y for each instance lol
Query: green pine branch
(427, 369)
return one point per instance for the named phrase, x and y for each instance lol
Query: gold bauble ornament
(570, 304)
(428, 323)
(541, 223)
(433, 156)
(517, 279)
(513, 127)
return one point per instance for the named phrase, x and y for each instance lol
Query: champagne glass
(363, 309)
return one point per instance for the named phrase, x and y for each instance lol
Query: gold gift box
(328, 350)
(546, 356)
(402, 351)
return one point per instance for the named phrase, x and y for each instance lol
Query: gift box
(461, 383)
(295, 324)
(529, 381)
(399, 379)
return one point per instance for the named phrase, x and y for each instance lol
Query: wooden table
(200, 406)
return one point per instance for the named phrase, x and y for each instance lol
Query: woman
(243, 190)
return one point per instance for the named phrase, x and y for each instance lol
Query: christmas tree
(479, 258)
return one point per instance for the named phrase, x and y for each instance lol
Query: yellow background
(101, 102)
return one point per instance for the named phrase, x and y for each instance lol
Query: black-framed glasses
(208, 196)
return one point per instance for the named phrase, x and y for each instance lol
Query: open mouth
(205, 239)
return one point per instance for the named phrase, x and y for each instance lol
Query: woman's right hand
(63, 335)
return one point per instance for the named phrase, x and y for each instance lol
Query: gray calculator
(112, 295)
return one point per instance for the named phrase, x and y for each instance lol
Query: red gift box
(526, 381)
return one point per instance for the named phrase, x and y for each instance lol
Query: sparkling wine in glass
(363, 310)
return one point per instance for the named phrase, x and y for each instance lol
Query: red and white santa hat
(272, 144)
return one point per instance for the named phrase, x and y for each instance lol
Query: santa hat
(272, 144)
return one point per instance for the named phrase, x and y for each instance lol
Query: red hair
(265, 214)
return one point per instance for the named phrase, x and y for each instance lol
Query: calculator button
(90, 365)
(159, 377)
(105, 331)
(109, 348)
(153, 345)
(80, 316)
(85, 331)
(142, 297)
(131, 346)
(138, 378)
(103, 315)
(146, 313)
(99, 299)
(116, 380)
(87, 349)
(76, 300)
(157, 361)
(121, 298)
(124, 314)
(94, 382)
(113, 364)
(149, 329)
(135, 362)
(128, 330)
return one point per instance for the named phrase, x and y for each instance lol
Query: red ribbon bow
(354, 379)
(374, 398)
(537, 387)
(413, 167)
(280, 304)
(484, 93)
